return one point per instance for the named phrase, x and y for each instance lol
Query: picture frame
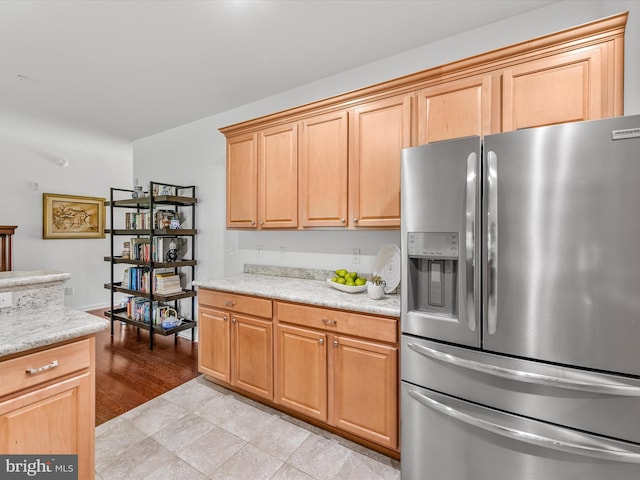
(164, 190)
(72, 216)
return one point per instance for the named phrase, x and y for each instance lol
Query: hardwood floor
(129, 374)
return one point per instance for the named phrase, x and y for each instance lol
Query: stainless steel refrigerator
(521, 305)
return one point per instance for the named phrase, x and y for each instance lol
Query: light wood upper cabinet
(575, 74)
(278, 177)
(322, 160)
(461, 108)
(567, 87)
(379, 130)
(242, 181)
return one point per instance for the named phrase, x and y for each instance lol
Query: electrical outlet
(6, 299)
(356, 255)
(259, 250)
(282, 250)
(69, 290)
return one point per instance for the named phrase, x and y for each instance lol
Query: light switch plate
(6, 299)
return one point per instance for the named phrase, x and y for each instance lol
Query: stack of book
(167, 283)
(140, 249)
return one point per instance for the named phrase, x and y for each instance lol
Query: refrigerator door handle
(492, 242)
(582, 381)
(470, 236)
(566, 440)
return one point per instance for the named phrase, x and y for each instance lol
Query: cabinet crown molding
(583, 35)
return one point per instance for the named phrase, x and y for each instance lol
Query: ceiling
(133, 68)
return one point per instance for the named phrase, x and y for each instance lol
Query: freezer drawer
(451, 439)
(599, 403)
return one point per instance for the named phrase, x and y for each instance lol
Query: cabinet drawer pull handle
(321, 341)
(229, 303)
(326, 321)
(32, 371)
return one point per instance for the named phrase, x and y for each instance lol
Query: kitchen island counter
(37, 317)
(301, 290)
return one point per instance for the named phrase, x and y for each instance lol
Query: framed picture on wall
(72, 216)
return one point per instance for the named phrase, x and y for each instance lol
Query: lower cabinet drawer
(259, 307)
(35, 368)
(366, 326)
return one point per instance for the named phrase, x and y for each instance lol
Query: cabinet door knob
(355, 220)
(342, 220)
(321, 341)
(335, 343)
(261, 222)
(224, 319)
(253, 222)
(233, 319)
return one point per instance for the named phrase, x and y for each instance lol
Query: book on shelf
(125, 278)
(139, 249)
(167, 283)
(137, 220)
(141, 310)
(163, 218)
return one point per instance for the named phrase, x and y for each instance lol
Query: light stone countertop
(38, 317)
(32, 277)
(312, 292)
(26, 330)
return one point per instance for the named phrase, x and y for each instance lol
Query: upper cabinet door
(566, 87)
(242, 181)
(278, 177)
(378, 132)
(460, 108)
(323, 170)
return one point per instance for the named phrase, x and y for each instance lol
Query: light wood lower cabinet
(337, 368)
(348, 382)
(234, 347)
(365, 389)
(301, 370)
(47, 404)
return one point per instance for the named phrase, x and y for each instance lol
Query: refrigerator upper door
(440, 294)
(561, 248)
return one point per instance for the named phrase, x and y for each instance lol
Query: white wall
(28, 154)
(195, 153)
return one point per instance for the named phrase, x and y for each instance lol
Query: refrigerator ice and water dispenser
(433, 265)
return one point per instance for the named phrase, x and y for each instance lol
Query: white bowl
(347, 288)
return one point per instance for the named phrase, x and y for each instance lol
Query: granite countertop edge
(28, 330)
(33, 277)
(312, 292)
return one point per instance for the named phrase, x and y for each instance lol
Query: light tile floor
(200, 430)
